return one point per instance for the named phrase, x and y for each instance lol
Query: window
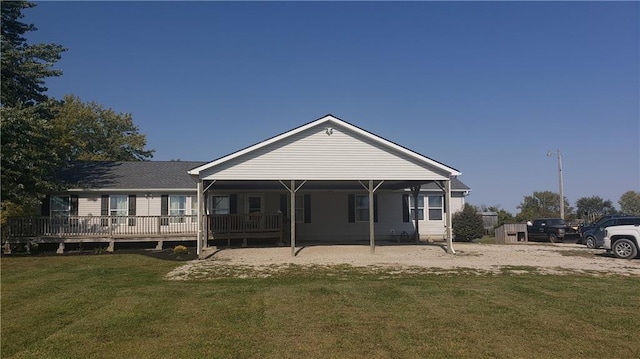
(220, 205)
(177, 208)
(194, 205)
(420, 207)
(60, 206)
(362, 208)
(118, 207)
(299, 209)
(435, 208)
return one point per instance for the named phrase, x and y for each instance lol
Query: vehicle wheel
(553, 238)
(590, 242)
(625, 248)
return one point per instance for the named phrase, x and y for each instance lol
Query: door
(253, 207)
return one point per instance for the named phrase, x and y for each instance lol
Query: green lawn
(120, 306)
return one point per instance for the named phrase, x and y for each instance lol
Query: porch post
(292, 216)
(372, 242)
(448, 216)
(415, 192)
(199, 220)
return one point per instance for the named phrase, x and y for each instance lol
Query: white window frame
(53, 207)
(194, 205)
(412, 217)
(299, 207)
(436, 207)
(247, 209)
(177, 214)
(116, 212)
(361, 209)
(214, 204)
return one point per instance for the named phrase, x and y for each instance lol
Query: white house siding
(89, 205)
(312, 154)
(329, 213)
(330, 222)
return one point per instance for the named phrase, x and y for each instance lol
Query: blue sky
(485, 87)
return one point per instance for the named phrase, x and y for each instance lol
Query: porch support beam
(372, 235)
(415, 192)
(200, 218)
(205, 221)
(372, 241)
(448, 216)
(292, 210)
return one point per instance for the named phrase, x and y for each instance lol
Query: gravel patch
(543, 258)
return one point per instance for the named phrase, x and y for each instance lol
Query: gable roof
(128, 175)
(329, 120)
(150, 175)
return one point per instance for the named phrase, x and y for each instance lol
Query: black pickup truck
(550, 229)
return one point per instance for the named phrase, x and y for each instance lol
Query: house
(325, 181)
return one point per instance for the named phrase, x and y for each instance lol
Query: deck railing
(100, 226)
(110, 226)
(243, 223)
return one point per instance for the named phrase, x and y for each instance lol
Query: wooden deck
(112, 230)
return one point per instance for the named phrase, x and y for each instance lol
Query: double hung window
(118, 208)
(177, 208)
(220, 205)
(412, 209)
(362, 208)
(60, 206)
(435, 208)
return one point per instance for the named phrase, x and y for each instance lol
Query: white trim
(135, 190)
(327, 119)
(255, 195)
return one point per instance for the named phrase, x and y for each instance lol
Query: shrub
(467, 224)
(180, 249)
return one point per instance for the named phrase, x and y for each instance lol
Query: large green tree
(40, 135)
(630, 202)
(27, 156)
(24, 67)
(545, 204)
(90, 132)
(594, 207)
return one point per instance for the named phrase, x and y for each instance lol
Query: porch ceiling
(311, 185)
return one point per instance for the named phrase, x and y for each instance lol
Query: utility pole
(560, 183)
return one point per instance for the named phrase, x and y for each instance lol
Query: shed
(489, 221)
(511, 233)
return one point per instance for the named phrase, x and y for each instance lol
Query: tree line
(41, 134)
(546, 204)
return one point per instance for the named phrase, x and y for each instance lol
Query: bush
(467, 224)
(180, 249)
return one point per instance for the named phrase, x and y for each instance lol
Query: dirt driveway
(544, 258)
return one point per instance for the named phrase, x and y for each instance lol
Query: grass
(119, 306)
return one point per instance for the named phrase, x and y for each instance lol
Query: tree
(467, 224)
(27, 156)
(24, 66)
(503, 215)
(40, 135)
(90, 132)
(594, 207)
(630, 202)
(541, 205)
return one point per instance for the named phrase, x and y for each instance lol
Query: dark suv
(594, 237)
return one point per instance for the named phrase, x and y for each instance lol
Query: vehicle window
(556, 222)
(632, 220)
(608, 223)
